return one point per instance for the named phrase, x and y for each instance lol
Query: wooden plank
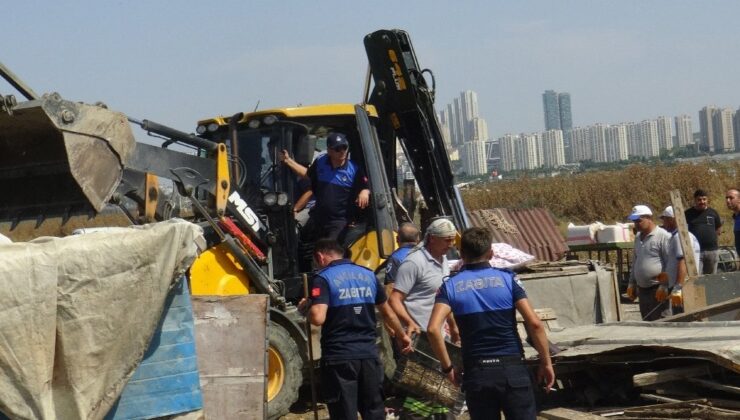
(694, 411)
(694, 296)
(668, 375)
(230, 337)
(671, 404)
(706, 311)
(545, 274)
(617, 295)
(562, 413)
(683, 232)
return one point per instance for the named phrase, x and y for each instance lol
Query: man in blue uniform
(408, 237)
(343, 301)
(484, 301)
(339, 186)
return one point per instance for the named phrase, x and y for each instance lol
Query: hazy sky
(176, 62)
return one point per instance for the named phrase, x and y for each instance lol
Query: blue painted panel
(166, 382)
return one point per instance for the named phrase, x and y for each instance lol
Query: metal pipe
(17, 83)
(310, 351)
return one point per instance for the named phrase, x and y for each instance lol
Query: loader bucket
(60, 157)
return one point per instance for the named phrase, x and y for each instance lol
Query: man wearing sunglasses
(340, 187)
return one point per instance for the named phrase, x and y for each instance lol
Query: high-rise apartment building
(465, 125)
(665, 136)
(684, 131)
(634, 142)
(469, 100)
(556, 106)
(724, 136)
(649, 138)
(474, 158)
(736, 127)
(616, 143)
(706, 129)
(553, 152)
(530, 151)
(478, 130)
(598, 142)
(509, 144)
(566, 118)
(444, 127)
(580, 142)
(552, 110)
(459, 136)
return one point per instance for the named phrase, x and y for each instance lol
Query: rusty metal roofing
(533, 231)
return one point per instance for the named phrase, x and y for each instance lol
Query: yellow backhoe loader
(66, 165)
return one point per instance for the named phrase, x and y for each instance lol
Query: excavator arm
(403, 98)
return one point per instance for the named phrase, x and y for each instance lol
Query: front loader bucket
(59, 157)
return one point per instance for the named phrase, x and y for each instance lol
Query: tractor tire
(284, 371)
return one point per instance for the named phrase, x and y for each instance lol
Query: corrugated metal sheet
(533, 231)
(715, 340)
(166, 382)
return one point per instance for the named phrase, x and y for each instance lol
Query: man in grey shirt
(421, 274)
(416, 282)
(651, 255)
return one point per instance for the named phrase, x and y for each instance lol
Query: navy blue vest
(482, 299)
(395, 260)
(351, 292)
(335, 189)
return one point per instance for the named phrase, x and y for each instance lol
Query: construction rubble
(684, 366)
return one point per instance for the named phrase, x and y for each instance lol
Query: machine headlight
(282, 199)
(253, 123)
(270, 199)
(270, 119)
(201, 129)
(212, 127)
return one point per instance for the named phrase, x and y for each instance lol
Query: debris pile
(621, 370)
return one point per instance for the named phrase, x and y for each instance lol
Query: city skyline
(599, 142)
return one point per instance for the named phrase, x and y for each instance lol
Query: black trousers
(650, 308)
(352, 386)
(506, 387)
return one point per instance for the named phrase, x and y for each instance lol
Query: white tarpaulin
(78, 313)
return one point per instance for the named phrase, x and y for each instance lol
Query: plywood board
(230, 337)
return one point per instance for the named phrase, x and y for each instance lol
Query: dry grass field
(608, 196)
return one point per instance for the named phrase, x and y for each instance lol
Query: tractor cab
(255, 142)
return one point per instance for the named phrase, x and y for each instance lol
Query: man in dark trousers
(484, 300)
(343, 301)
(704, 223)
(732, 199)
(651, 258)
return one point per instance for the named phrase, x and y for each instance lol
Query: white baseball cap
(640, 210)
(668, 212)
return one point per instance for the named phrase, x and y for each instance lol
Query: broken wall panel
(230, 336)
(578, 299)
(711, 289)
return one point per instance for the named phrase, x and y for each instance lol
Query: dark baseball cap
(334, 140)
